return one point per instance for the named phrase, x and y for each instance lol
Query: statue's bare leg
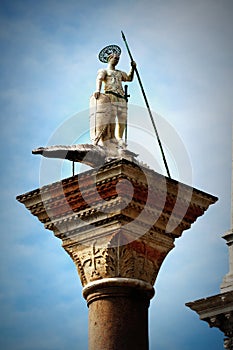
(113, 123)
(122, 119)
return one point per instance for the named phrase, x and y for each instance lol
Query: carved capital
(118, 221)
(217, 311)
(140, 259)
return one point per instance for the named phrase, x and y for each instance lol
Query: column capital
(118, 221)
(217, 311)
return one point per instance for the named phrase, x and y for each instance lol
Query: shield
(100, 117)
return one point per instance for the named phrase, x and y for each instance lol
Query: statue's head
(110, 52)
(113, 58)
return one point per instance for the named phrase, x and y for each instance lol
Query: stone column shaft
(118, 314)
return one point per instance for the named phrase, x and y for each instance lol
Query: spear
(148, 107)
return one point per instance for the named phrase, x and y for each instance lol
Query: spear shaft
(148, 107)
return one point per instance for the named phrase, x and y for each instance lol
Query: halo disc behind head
(107, 51)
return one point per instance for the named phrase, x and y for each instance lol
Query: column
(117, 223)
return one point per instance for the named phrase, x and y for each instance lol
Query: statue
(113, 103)
(105, 108)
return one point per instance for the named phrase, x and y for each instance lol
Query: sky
(48, 62)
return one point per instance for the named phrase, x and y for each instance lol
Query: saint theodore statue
(108, 118)
(113, 103)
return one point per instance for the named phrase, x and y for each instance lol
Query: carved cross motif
(92, 259)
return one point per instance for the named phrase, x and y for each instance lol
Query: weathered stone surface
(117, 221)
(87, 154)
(92, 155)
(118, 314)
(217, 311)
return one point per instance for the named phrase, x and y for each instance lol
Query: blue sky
(48, 62)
